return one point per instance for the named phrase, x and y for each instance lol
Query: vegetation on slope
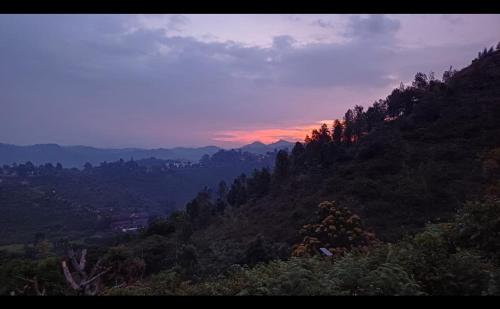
(407, 167)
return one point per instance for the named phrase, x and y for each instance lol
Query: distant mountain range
(261, 148)
(77, 156)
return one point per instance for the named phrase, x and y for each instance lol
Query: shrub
(438, 266)
(338, 230)
(477, 225)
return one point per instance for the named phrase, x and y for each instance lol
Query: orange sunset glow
(269, 135)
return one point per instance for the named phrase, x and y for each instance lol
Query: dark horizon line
(144, 148)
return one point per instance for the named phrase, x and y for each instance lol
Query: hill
(411, 159)
(77, 156)
(402, 198)
(151, 186)
(261, 148)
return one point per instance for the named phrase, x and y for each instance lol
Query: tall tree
(348, 126)
(298, 155)
(281, 165)
(400, 102)
(222, 190)
(359, 125)
(193, 209)
(375, 115)
(324, 135)
(421, 81)
(259, 183)
(337, 132)
(447, 75)
(237, 195)
(307, 140)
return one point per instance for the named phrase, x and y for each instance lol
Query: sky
(155, 81)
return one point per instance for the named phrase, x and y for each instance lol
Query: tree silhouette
(337, 132)
(222, 190)
(348, 126)
(401, 100)
(421, 81)
(298, 156)
(447, 75)
(359, 124)
(193, 209)
(220, 206)
(259, 183)
(322, 135)
(237, 195)
(282, 165)
(375, 115)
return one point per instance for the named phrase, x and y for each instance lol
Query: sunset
(141, 80)
(268, 135)
(227, 153)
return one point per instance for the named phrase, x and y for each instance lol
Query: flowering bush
(338, 230)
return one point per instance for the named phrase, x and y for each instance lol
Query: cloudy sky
(227, 80)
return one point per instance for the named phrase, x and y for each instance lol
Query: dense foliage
(429, 263)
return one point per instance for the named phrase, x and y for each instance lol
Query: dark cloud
(323, 24)
(283, 42)
(177, 22)
(330, 65)
(372, 27)
(88, 79)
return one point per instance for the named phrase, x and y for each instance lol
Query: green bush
(438, 266)
(15, 276)
(361, 273)
(389, 279)
(477, 225)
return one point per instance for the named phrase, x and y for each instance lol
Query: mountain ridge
(78, 155)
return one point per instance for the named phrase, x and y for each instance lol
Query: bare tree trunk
(79, 280)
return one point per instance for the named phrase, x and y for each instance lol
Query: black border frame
(251, 6)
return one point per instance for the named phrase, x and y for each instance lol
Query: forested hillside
(408, 160)
(60, 201)
(404, 196)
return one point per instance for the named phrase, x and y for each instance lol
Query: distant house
(129, 222)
